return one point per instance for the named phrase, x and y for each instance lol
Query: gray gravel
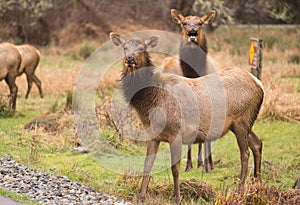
(49, 188)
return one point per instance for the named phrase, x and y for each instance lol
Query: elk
(30, 60)
(242, 98)
(193, 49)
(10, 60)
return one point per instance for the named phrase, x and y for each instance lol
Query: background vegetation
(67, 32)
(49, 21)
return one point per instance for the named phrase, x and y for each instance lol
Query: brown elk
(10, 60)
(30, 60)
(193, 49)
(242, 97)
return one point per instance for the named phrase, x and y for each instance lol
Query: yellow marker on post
(255, 56)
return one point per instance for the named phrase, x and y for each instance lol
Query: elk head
(135, 51)
(192, 25)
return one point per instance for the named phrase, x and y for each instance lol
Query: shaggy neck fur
(193, 57)
(137, 85)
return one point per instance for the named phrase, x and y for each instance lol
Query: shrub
(5, 110)
(86, 50)
(269, 41)
(295, 59)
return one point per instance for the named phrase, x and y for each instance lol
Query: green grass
(280, 164)
(59, 62)
(16, 197)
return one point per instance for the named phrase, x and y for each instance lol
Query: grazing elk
(30, 60)
(193, 49)
(146, 89)
(10, 60)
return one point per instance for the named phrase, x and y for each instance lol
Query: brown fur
(242, 93)
(192, 53)
(192, 63)
(172, 65)
(10, 60)
(30, 60)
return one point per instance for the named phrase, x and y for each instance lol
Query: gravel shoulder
(48, 188)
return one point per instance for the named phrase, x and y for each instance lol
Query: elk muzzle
(192, 34)
(130, 61)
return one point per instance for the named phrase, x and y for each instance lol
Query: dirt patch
(51, 123)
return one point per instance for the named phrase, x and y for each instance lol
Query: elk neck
(138, 86)
(193, 57)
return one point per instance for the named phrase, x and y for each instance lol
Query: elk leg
(255, 145)
(29, 84)
(210, 161)
(189, 164)
(38, 84)
(200, 161)
(34, 78)
(208, 165)
(152, 148)
(13, 91)
(242, 136)
(175, 148)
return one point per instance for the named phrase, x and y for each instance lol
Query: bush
(5, 110)
(295, 59)
(86, 50)
(269, 41)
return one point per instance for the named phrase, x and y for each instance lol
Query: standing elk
(30, 60)
(10, 60)
(193, 49)
(243, 95)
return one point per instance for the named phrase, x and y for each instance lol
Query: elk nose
(193, 29)
(129, 59)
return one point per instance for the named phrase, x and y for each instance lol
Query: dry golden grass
(190, 189)
(282, 95)
(57, 73)
(257, 193)
(196, 192)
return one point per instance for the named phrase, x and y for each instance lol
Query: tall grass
(230, 47)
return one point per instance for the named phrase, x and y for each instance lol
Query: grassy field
(278, 123)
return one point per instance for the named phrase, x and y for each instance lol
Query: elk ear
(152, 42)
(177, 16)
(117, 39)
(209, 17)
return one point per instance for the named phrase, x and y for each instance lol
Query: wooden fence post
(255, 56)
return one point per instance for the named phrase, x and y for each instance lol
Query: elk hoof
(188, 168)
(240, 188)
(140, 199)
(200, 164)
(177, 199)
(207, 168)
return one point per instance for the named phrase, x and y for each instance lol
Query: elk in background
(243, 96)
(193, 49)
(30, 60)
(10, 60)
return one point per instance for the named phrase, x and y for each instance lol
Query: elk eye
(141, 49)
(184, 23)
